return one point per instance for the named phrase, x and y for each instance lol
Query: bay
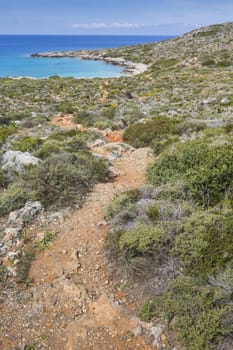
(15, 51)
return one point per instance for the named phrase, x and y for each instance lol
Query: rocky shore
(130, 68)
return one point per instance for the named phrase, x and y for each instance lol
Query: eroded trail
(73, 305)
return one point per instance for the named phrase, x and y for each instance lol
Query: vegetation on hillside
(177, 230)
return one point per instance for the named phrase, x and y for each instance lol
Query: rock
(25, 214)
(3, 251)
(12, 232)
(138, 331)
(157, 332)
(11, 256)
(16, 161)
(102, 223)
(112, 173)
(97, 143)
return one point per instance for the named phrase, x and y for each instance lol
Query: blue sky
(110, 16)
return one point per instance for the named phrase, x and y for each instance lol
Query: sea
(16, 50)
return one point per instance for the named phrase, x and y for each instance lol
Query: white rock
(25, 214)
(17, 161)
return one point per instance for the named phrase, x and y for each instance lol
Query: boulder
(16, 161)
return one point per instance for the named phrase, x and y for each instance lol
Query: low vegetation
(181, 233)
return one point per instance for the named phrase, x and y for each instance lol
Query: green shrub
(207, 170)
(141, 239)
(145, 134)
(196, 311)
(228, 128)
(205, 244)
(125, 201)
(63, 179)
(164, 63)
(27, 144)
(160, 145)
(112, 243)
(5, 132)
(13, 198)
(3, 179)
(153, 212)
(48, 148)
(61, 135)
(46, 241)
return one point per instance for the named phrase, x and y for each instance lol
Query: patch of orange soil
(114, 136)
(65, 121)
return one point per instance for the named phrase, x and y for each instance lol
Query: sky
(155, 17)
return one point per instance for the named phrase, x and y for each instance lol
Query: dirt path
(74, 304)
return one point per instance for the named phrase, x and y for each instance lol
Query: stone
(12, 232)
(16, 161)
(25, 214)
(11, 256)
(97, 143)
(3, 251)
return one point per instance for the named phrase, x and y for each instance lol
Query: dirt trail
(74, 304)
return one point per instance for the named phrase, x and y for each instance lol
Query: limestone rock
(16, 161)
(25, 214)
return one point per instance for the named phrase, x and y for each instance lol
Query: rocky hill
(90, 234)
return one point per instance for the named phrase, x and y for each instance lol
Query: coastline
(130, 68)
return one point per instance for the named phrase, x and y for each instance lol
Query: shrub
(153, 212)
(5, 132)
(205, 244)
(27, 144)
(52, 183)
(144, 134)
(46, 241)
(64, 134)
(197, 312)
(228, 128)
(160, 145)
(125, 200)
(207, 171)
(141, 239)
(13, 198)
(48, 148)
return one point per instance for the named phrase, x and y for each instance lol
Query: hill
(73, 157)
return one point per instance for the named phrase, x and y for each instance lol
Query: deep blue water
(15, 51)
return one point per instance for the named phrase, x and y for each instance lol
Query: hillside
(149, 243)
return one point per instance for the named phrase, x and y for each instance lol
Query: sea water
(16, 50)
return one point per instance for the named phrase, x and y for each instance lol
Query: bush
(141, 239)
(63, 179)
(205, 244)
(153, 212)
(5, 132)
(48, 148)
(14, 198)
(207, 170)
(145, 134)
(27, 144)
(125, 200)
(197, 312)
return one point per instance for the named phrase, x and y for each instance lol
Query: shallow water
(15, 51)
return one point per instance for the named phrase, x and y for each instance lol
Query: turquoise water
(15, 51)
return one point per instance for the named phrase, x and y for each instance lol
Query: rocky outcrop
(16, 161)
